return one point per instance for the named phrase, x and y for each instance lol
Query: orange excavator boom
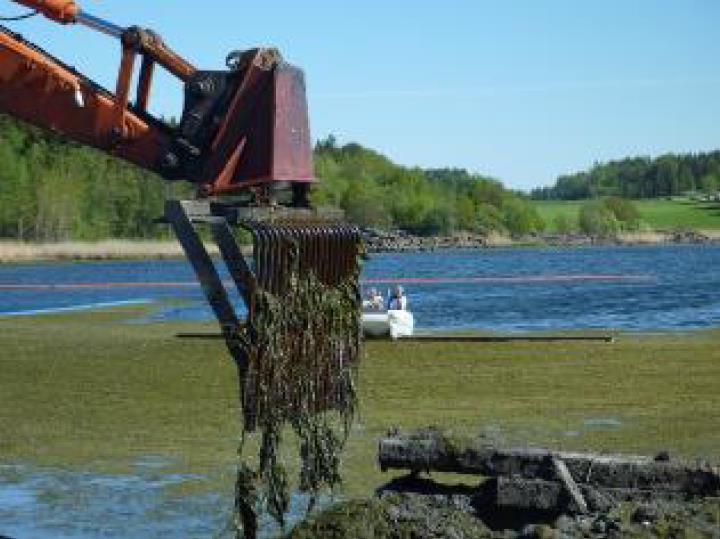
(244, 129)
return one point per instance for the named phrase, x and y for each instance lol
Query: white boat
(393, 324)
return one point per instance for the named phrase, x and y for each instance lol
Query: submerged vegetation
(90, 391)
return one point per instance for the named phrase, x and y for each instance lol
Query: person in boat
(374, 300)
(398, 300)
(378, 301)
(367, 300)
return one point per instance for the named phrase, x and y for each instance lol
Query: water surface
(54, 503)
(660, 288)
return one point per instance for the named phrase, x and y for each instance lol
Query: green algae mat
(95, 391)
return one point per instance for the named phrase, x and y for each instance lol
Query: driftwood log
(541, 478)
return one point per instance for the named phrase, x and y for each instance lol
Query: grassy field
(658, 214)
(91, 391)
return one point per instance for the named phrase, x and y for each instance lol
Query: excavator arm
(244, 129)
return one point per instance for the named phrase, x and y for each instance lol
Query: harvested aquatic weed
(302, 343)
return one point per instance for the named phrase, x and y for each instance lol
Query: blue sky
(523, 90)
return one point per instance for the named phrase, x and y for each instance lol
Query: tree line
(639, 177)
(52, 189)
(375, 192)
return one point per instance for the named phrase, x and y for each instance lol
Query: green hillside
(639, 177)
(661, 214)
(374, 191)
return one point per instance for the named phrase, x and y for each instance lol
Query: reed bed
(16, 251)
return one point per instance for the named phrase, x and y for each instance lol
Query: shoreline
(397, 241)
(17, 252)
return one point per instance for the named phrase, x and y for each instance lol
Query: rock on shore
(423, 512)
(379, 241)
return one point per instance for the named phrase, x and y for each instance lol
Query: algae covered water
(42, 502)
(503, 290)
(641, 289)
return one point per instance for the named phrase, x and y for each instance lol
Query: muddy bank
(379, 241)
(422, 509)
(525, 493)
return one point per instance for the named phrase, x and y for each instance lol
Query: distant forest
(375, 192)
(639, 177)
(52, 190)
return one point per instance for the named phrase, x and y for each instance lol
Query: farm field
(659, 214)
(92, 392)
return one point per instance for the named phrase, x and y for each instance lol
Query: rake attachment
(301, 338)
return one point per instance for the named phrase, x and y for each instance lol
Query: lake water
(53, 503)
(624, 288)
(503, 290)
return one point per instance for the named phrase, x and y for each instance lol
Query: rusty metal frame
(183, 216)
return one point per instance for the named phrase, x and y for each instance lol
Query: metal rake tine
(341, 252)
(325, 255)
(267, 259)
(280, 259)
(274, 260)
(264, 262)
(315, 250)
(355, 238)
(302, 250)
(348, 251)
(291, 253)
(292, 265)
(258, 251)
(305, 249)
(331, 257)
